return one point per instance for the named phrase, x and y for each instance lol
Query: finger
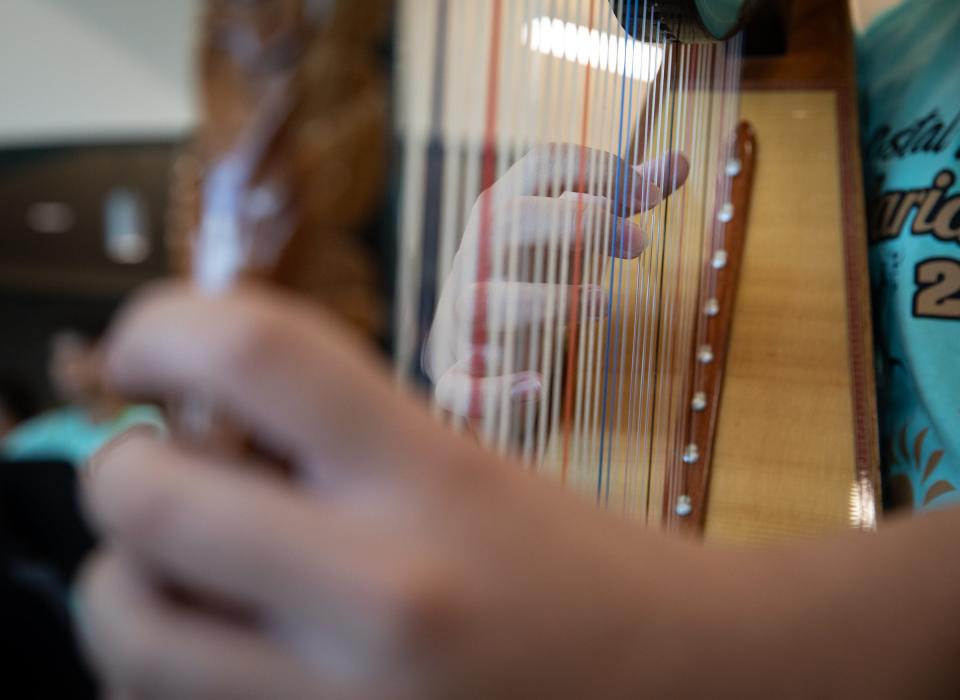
(144, 646)
(291, 375)
(537, 222)
(668, 172)
(465, 395)
(550, 169)
(588, 199)
(89, 472)
(623, 242)
(504, 305)
(496, 307)
(335, 588)
(241, 536)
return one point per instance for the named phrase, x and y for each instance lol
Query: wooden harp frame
(819, 62)
(798, 453)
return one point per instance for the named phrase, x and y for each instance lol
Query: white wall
(107, 70)
(95, 70)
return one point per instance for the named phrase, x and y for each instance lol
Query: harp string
(639, 386)
(573, 318)
(478, 19)
(639, 139)
(549, 180)
(434, 175)
(519, 257)
(534, 416)
(647, 285)
(609, 243)
(559, 270)
(685, 347)
(571, 166)
(653, 270)
(616, 248)
(690, 240)
(673, 302)
(491, 148)
(409, 246)
(717, 225)
(645, 134)
(599, 235)
(669, 277)
(613, 406)
(518, 145)
(599, 242)
(631, 157)
(712, 60)
(457, 104)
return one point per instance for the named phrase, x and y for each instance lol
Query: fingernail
(646, 194)
(628, 240)
(525, 389)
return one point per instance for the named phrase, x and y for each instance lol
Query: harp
(717, 381)
(720, 378)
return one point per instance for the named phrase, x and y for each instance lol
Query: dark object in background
(40, 517)
(83, 220)
(16, 404)
(767, 32)
(80, 227)
(43, 541)
(40, 655)
(16, 399)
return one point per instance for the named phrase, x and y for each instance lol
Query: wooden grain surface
(784, 460)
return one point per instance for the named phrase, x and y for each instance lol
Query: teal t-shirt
(909, 72)
(67, 434)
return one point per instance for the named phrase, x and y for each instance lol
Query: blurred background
(97, 99)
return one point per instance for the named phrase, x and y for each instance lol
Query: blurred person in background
(91, 414)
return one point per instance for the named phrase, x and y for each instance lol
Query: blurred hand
(526, 210)
(400, 561)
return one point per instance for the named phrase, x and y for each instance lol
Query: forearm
(867, 616)
(863, 615)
